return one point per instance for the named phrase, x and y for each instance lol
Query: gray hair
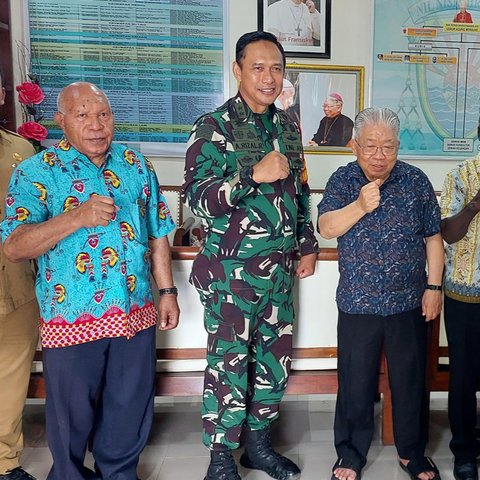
(374, 115)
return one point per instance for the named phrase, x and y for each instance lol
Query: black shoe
(260, 455)
(465, 471)
(222, 466)
(16, 474)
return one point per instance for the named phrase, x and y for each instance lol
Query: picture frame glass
(425, 69)
(81, 48)
(323, 100)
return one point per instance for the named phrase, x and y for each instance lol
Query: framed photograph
(323, 100)
(301, 26)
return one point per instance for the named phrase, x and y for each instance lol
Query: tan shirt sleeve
(17, 280)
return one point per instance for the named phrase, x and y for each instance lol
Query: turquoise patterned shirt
(95, 283)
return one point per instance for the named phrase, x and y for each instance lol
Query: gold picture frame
(312, 85)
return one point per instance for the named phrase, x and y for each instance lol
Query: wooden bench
(301, 382)
(437, 374)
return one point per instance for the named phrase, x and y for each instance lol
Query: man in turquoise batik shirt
(93, 215)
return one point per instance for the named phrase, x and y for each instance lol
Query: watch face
(246, 173)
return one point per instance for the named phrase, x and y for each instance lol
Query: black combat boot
(259, 454)
(222, 466)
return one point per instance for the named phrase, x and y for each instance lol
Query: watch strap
(168, 291)
(246, 175)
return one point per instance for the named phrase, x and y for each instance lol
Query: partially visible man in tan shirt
(18, 322)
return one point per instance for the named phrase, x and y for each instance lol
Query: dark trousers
(102, 391)
(360, 342)
(462, 322)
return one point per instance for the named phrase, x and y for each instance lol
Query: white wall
(350, 45)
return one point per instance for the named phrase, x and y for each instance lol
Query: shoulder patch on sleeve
(204, 131)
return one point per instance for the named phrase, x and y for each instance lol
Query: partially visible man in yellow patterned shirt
(460, 204)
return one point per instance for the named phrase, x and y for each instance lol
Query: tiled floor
(303, 432)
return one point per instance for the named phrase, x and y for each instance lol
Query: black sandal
(350, 464)
(415, 467)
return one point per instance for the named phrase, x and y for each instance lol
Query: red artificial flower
(32, 130)
(29, 92)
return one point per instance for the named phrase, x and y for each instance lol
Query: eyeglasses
(371, 150)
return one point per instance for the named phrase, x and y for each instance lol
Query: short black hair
(252, 37)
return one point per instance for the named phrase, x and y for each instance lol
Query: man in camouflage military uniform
(245, 176)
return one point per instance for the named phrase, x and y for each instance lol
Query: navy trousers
(101, 391)
(360, 341)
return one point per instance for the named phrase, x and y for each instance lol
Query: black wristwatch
(428, 286)
(246, 175)
(168, 291)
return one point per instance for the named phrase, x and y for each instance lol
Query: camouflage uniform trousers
(248, 358)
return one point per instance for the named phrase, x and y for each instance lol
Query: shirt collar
(4, 135)
(68, 153)
(245, 113)
(398, 170)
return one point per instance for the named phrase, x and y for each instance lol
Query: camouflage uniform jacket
(249, 231)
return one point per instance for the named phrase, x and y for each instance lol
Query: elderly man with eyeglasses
(387, 220)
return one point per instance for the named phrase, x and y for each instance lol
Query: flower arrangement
(31, 97)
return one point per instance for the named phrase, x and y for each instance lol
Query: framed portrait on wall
(301, 26)
(324, 100)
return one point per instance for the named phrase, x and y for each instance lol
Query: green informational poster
(161, 62)
(426, 67)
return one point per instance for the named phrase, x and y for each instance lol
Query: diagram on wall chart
(161, 71)
(427, 69)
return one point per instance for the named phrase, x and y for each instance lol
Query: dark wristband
(246, 174)
(168, 291)
(433, 287)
